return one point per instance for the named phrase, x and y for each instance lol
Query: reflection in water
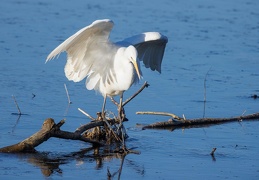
(17, 122)
(203, 34)
(50, 164)
(47, 165)
(67, 109)
(111, 175)
(213, 158)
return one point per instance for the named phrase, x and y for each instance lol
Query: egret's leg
(104, 102)
(121, 127)
(120, 108)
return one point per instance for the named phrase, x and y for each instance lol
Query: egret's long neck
(123, 69)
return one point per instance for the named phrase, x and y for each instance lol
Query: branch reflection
(49, 163)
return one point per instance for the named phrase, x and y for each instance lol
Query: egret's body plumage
(110, 68)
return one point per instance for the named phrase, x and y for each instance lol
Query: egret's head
(133, 55)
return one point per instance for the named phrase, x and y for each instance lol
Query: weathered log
(178, 123)
(49, 129)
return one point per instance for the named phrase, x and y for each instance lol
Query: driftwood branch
(49, 129)
(175, 122)
(145, 85)
(160, 113)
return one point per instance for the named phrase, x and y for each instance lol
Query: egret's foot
(100, 116)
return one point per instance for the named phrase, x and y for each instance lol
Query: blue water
(217, 38)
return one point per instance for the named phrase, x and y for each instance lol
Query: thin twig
(68, 98)
(184, 117)
(212, 152)
(134, 95)
(90, 117)
(160, 113)
(17, 106)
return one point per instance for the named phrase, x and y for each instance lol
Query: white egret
(110, 68)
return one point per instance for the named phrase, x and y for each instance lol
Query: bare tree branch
(172, 123)
(160, 113)
(145, 85)
(49, 129)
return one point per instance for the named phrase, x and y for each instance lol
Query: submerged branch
(175, 123)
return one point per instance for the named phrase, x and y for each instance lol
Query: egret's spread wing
(150, 47)
(86, 52)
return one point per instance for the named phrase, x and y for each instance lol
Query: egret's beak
(135, 64)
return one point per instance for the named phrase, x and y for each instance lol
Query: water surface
(217, 38)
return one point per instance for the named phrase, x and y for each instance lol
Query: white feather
(109, 66)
